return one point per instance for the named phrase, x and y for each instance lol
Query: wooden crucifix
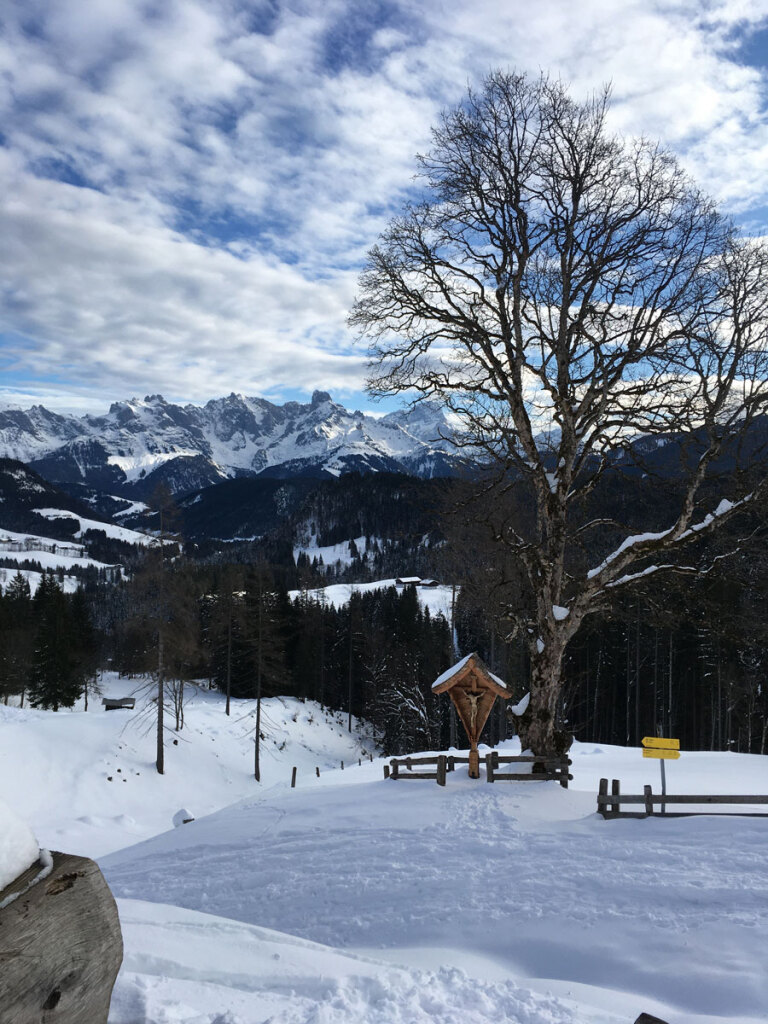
(473, 688)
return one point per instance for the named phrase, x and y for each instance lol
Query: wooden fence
(609, 804)
(393, 769)
(555, 769)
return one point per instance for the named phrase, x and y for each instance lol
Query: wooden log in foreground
(60, 945)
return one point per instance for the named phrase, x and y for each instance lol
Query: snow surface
(90, 784)
(49, 552)
(437, 599)
(331, 553)
(113, 532)
(69, 584)
(18, 846)
(451, 671)
(355, 899)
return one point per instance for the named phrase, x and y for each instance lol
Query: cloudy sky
(188, 187)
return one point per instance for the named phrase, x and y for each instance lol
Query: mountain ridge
(140, 443)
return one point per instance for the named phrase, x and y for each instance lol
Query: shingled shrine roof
(463, 671)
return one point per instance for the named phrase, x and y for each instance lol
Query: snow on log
(18, 847)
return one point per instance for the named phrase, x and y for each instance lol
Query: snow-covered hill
(90, 784)
(352, 898)
(139, 443)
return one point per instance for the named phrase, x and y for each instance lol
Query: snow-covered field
(437, 599)
(355, 899)
(47, 552)
(111, 531)
(89, 782)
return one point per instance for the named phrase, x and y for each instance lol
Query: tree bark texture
(60, 946)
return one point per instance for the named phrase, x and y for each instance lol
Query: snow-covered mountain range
(140, 443)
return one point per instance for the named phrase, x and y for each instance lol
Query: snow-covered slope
(522, 884)
(48, 553)
(191, 447)
(438, 599)
(351, 898)
(89, 779)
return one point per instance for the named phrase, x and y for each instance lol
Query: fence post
(451, 763)
(647, 791)
(293, 778)
(602, 791)
(564, 774)
(489, 767)
(386, 771)
(615, 791)
(441, 770)
(317, 772)
(395, 767)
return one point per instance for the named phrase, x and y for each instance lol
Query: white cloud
(240, 168)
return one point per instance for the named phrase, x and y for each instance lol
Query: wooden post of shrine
(473, 688)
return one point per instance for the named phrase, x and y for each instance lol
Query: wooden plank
(408, 761)
(660, 743)
(602, 795)
(528, 777)
(676, 798)
(441, 769)
(416, 775)
(61, 946)
(648, 794)
(661, 754)
(489, 767)
(531, 759)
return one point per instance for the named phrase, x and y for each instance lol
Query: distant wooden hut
(407, 581)
(473, 688)
(114, 703)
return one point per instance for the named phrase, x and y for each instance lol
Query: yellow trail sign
(661, 755)
(660, 743)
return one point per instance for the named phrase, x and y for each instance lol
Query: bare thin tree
(564, 292)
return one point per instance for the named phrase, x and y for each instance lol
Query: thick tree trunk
(538, 727)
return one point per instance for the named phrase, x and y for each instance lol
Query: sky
(188, 188)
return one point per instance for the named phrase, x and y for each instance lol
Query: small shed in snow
(473, 688)
(407, 581)
(115, 703)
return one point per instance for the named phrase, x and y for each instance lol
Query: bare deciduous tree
(564, 292)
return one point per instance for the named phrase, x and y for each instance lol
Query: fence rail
(553, 769)
(609, 804)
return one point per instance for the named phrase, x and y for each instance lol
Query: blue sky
(188, 187)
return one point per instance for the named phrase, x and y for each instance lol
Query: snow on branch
(637, 545)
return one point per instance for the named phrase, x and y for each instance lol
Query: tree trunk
(160, 698)
(229, 659)
(537, 727)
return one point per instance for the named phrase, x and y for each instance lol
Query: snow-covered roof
(471, 663)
